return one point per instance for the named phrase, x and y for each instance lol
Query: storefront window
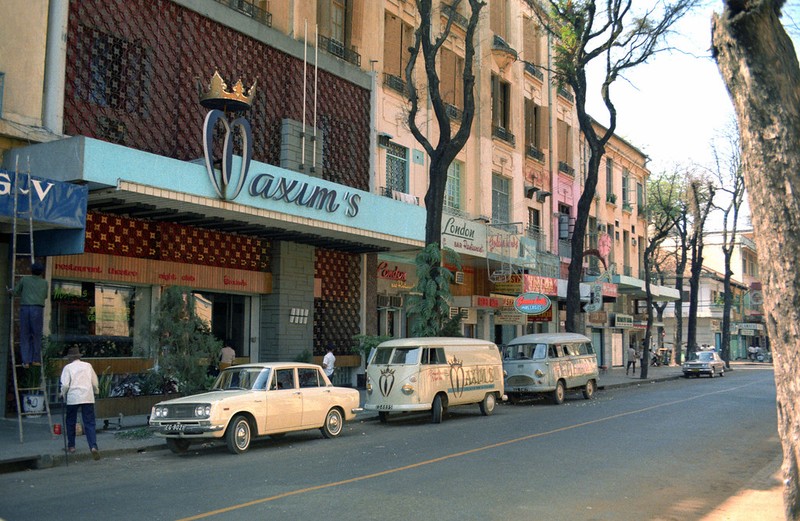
(103, 320)
(228, 317)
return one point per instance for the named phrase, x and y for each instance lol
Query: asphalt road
(671, 450)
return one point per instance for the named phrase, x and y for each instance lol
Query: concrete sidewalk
(41, 449)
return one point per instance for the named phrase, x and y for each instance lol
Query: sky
(676, 104)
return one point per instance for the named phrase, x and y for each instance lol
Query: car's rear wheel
(437, 409)
(178, 445)
(558, 393)
(488, 404)
(588, 391)
(334, 423)
(239, 435)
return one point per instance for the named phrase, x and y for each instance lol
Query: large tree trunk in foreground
(759, 65)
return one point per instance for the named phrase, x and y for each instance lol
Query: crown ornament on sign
(217, 96)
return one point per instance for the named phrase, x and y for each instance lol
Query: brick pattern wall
(337, 310)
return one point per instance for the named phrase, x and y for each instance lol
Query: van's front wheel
(437, 409)
(558, 394)
(488, 403)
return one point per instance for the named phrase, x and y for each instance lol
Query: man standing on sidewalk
(32, 293)
(79, 385)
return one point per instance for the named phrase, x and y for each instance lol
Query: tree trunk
(759, 65)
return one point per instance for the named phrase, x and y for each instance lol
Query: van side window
(582, 349)
(437, 356)
(568, 349)
(589, 348)
(552, 351)
(540, 353)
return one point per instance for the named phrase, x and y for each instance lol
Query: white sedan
(254, 400)
(704, 362)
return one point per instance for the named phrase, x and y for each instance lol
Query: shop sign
(502, 243)
(598, 317)
(463, 236)
(513, 286)
(113, 268)
(610, 290)
(747, 332)
(532, 303)
(750, 325)
(508, 316)
(394, 276)
(547, 316)
(485, 302)
(539, 284)
(53, 202)
(623, 321)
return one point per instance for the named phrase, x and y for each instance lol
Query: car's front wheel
(558, 393)
(334, 423)
(239, 435)
(437, 409)
(178, 445)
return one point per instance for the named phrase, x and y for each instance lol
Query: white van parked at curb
(550, 363)
(432, 374)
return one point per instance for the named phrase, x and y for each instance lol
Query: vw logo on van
(457, 380)
(386, 381)
(532, 303)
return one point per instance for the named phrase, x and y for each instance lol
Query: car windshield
(703, 357)
(526, 352)
(242, 378)
(396, 356)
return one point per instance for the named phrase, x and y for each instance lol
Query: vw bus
(432, 374)
(549, 363)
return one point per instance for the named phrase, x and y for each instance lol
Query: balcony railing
(567, 95)
(565, 168)
(503, 134)
(534, 71)
(458, 18)
(627, 271)
(534, 153)
(535, 233)
(565, 248)
(453, 112)
(248, 9)
(627, 207)
(339, 50)
(395, 83)
(611, 198)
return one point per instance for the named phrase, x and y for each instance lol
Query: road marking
(450, 456)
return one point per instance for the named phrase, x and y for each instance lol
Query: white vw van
(550, 363)
(431, 374)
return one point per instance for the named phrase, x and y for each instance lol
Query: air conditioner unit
(396, 302)
(454, 311)
(459, 277)
(469, 315)
(383, 301)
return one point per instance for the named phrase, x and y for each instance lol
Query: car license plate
(384, 407)
(174, 427)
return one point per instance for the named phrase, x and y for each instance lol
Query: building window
(104, 320)
(452, 190)
(398, 38)
(640, 204)
(535, 126)
(625, 190)
(452, 85)
(501, 104)
(119, 72)
(228, 316)
(501, 198)
(531, 45)
(564, 142)
(498, 18)
(338, 9)
(609, 177)
(396, 168)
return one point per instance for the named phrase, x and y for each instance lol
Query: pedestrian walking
(632, 356)
(78, 387)
(32, 292)
(329, 362)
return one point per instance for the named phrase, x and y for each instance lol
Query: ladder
(28, 393)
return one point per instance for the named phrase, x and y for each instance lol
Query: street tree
(760, 68)
(730, 178)
(447, 145)
(701, 202)
(662, 207)
(585, 31)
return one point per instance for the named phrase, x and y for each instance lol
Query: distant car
(253, 400)
(704, 362)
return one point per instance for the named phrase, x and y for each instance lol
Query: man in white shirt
(78, 386)
(328, 362)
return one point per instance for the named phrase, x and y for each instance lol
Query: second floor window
(564, 142)
(398, 38)
(501, 197)
(452, 86)
(452, 191)
(501, 109)
(535, 125)
(625, 190)
(338, 9)
(498, 18)
(609, 176)
(396, 168)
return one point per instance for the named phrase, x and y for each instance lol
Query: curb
(639, 381)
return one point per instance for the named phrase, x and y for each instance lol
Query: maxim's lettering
(267, 186)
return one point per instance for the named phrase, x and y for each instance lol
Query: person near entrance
(632, 356)
(226, 357)
(78, 386)
(32, 292)
(328, 362)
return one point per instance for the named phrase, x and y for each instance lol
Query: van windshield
(397, 356)
(526, 352)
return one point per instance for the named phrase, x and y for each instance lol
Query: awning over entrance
(274, 203)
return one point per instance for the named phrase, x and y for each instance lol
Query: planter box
(117, 365)
(342, 360)
(129, 406)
